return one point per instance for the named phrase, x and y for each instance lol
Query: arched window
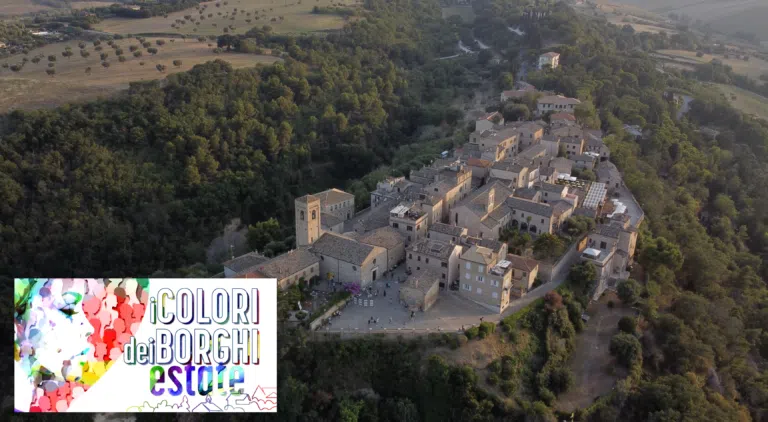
(301, 215)
(314, 214)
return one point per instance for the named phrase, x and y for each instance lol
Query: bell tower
(307, 220)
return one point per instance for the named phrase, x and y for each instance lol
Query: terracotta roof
(385, 237)
(529, 206)
(447, 229)
(477, 162)
(558, 99)
(435, 248)
(563, 116)
(334, 196)
(510, 166)
(521, 263)
(287, 264)
(307, 198)
(330, 220)
(491, 244)
(423, 279)
(342, 248)
(245, 262)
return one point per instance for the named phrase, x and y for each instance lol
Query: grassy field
(19, 7)
(705, 10)
(616, 13)
(594, 369)
(32, 87)
(297, 18)
(466, 12)
(746, 101)
(753, 68)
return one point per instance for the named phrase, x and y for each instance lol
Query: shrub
(627, 349)
(487, 328)
(508, 387)
(493, 379)
(627, 325)
(302, 315)
(495, 367)
(461, 340)
(472, 332)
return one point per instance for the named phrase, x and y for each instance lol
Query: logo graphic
(141, 345)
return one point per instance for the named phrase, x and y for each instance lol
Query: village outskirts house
(348, 260)
(486, 277)
(556, 103)
(610, 248)
(524, 272)
(439, 256)
(596, 145)
(550, 59)
(551, 143)
(530, 216)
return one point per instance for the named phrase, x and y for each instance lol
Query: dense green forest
(141, 183)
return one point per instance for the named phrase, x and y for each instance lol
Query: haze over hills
(724, 15)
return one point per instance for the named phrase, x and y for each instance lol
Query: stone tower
(307, 220)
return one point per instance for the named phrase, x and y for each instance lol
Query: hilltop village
(447, 226)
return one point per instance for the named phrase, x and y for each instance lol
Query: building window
(456, 218)
(312, 270)
(354, 268)
(495, 295)
(410, 256)
(428, 236)
(480, 279)
(467, 287)
(603, 245)
(409, 228)
(479, 291)
(495, 283)
(453, 238)
(418, 258)
(322, 258)
(418, 268)
(395, 225)
(374, 261)
(467, 276)
(443, 276)
(314, 214)
(409, 238)
(301, 215)
(525, 274)
(481, 268)
(444, 264)
(426, 260)
(469, 266)
(542, 221)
